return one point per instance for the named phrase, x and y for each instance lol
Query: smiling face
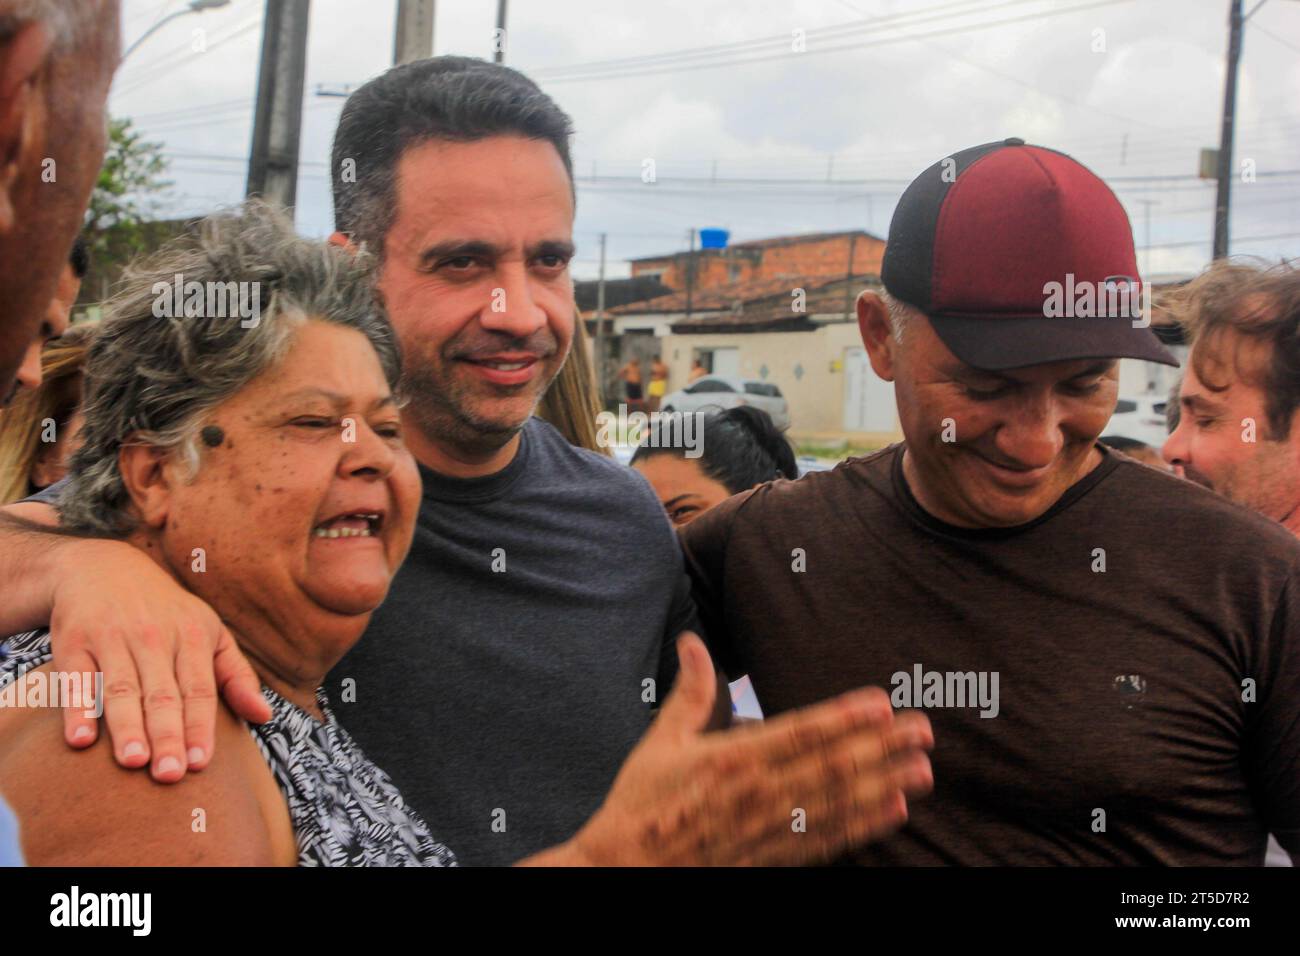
(1019, 438)
(1216, 444)
(306, 508)
(476, 281)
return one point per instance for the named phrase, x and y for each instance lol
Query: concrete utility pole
(599, 356)
(277, 125)
(848, 279)
(1146, 227)
(500, 54)
(413, 36)
(1236, 27)
(1224, 194)
(690, 273)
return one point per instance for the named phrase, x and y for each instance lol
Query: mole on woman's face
(213, 436)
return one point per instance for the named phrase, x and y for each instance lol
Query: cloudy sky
(750, 134)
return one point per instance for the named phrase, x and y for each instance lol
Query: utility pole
(413, 32)
(499, 56)
(600, 327)
(1146, 242)
(690, 272)
(1224, 194)
(277, 125)
(848, 279)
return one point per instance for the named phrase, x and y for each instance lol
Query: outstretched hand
(801, 788)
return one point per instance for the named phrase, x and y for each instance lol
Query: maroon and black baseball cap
(978, 238)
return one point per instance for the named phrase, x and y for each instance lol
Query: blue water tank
(714, 238)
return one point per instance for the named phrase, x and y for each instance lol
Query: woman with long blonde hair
(39, 430)
(571, 404)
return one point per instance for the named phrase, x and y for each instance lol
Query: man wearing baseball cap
(1099, 694)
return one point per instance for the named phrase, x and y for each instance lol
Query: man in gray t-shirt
(510, 670)
(512, 666)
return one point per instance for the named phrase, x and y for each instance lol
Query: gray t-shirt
(503, 681)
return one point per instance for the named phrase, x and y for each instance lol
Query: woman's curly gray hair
(154, 378)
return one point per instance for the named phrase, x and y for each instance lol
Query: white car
(1141, 418)
(726, 392)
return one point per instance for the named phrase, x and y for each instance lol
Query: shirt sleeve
(704, 546)
(48, 495)
(682, 616)
(1273, 750)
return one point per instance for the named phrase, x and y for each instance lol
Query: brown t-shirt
(1116, 731)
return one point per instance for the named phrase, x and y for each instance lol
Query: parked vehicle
(1141, 417)
(726, 392)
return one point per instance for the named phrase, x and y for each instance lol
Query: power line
(222, 157)
(129, 73)
(1270, 34)
(621, 73)
(1210, 241)
(234, 114)
(816, 164)
(184, 57)
(781, 41)
(187, 111)
(1069, 100)
(779, 182)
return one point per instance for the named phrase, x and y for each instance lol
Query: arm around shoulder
(34, 557)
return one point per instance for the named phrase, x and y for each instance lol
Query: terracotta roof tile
(726, 297)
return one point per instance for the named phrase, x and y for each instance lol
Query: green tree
(122, 220)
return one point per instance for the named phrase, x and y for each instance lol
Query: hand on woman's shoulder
(79, 808)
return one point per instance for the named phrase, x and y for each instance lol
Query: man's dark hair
(452, 98)
(79, 258)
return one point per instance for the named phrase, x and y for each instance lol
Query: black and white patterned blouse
(345, 811)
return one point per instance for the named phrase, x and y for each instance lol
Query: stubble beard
(1266, 483)
(443, 410)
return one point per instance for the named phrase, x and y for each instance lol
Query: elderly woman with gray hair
(242, 430)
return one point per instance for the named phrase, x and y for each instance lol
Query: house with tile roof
(748, 312)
